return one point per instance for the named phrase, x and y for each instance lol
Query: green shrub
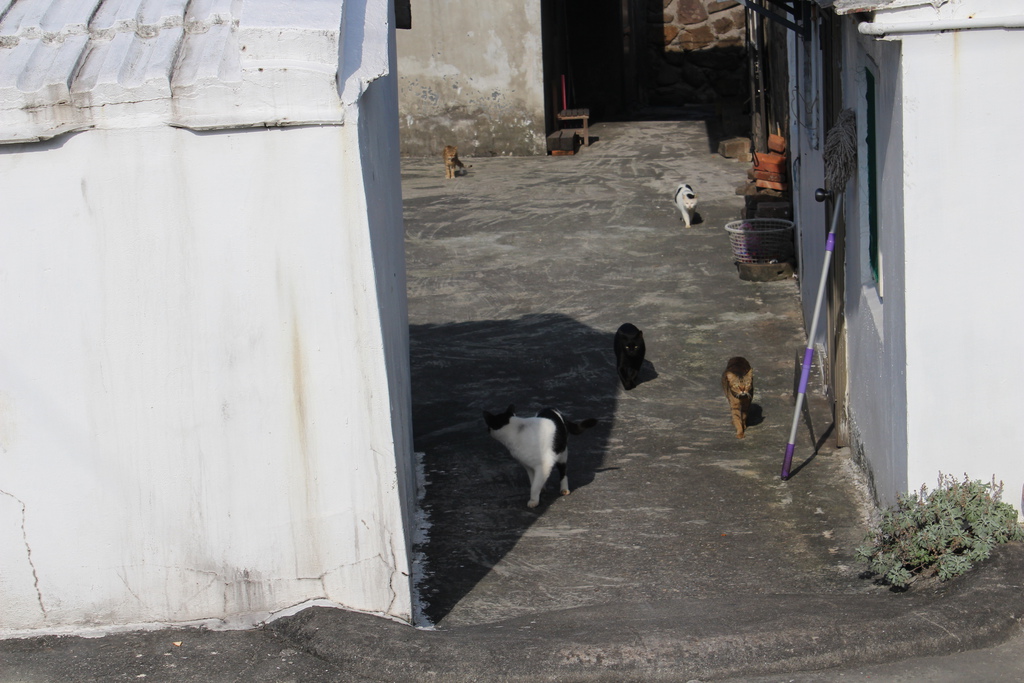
(940, 533)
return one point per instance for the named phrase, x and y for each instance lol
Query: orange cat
(738, 383)
(451, 161)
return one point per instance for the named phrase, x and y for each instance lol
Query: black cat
(629, 354)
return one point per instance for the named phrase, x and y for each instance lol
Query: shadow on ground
(476, 500)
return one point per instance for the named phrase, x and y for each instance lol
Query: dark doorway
(588, 57)
(634, 59)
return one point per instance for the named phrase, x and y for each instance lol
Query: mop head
(840, 152)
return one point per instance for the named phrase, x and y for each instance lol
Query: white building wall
(197, 415)
(965, 324)
(204, 385)
(876, 404)
(875, 309)
(932, 347)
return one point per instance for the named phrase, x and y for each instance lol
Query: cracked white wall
(19, 580)
(203, 394)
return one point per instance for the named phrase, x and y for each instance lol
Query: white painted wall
(204, 385)
(965, 324)
(876, 310)
(197, 414)
(932, 355)
(471, 75)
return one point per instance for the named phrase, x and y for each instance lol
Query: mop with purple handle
(840, 156)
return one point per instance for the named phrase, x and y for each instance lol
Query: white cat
(686, 199)
(537, 443)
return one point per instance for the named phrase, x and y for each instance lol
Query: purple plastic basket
(761, 240)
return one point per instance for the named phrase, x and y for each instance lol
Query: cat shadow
(755, 415)
(475, 494)
(646, 374)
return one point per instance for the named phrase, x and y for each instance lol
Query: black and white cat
(537, 443)
(629, 354)
(686, 199)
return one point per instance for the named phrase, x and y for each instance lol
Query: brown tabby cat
(451, 161)
(738, 383)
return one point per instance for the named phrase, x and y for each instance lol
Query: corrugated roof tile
(75, 64)
(854, 6)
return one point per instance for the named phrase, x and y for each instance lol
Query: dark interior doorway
(589, 57)
(637, 59)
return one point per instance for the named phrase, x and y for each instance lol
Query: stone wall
(697, 51)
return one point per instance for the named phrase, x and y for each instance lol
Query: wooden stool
(578, 115)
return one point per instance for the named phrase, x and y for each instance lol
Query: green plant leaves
(943, 532)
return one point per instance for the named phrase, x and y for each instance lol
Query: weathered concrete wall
(471, 75)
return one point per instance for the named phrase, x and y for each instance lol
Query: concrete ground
(680, 555)
(519, 274)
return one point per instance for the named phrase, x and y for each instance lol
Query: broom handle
(830, 245)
